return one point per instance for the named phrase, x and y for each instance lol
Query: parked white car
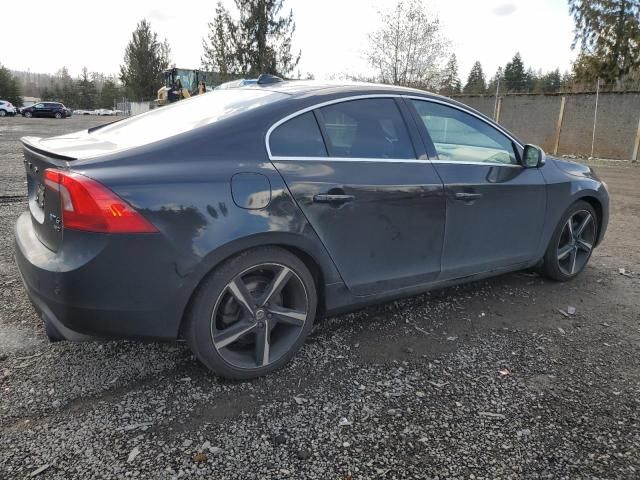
(6, 108)
(104, 111)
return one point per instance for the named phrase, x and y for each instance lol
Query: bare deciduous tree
(409, 47)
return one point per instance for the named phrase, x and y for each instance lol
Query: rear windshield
(184, 115)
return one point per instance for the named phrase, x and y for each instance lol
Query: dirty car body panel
(374, 217)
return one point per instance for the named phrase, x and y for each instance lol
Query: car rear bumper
(100, 285)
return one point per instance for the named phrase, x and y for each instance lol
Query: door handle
(332, 198)
(466, 197)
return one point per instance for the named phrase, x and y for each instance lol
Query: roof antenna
(265, 79)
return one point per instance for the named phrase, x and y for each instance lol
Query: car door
(495, 206)
(52, 108)
(39, 110)
(353, 170)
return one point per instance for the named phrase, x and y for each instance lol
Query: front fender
(566, 186)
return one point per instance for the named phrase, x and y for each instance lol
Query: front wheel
(28, 114)
(572, 243)
(252, 313)
(58, 115)
(2, 113)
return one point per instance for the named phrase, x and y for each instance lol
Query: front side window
(369, 128)
(39, 105)
(298, 137)
(460, 137)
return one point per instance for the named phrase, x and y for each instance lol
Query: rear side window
(298, 137)
(369, 128)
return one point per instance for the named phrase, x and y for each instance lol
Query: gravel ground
(488, 380)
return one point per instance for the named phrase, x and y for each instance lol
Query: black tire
(58, 115)
(555, 268)
(3, 113)
(214, 299)
(28, 114)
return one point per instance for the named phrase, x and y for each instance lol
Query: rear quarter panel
(183, 186)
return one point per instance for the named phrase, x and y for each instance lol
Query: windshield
(187, 79)
(184, 115)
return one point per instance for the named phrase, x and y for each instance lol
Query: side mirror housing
(533, 157)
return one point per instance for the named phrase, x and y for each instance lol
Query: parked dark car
(46, 109)
(234, 219)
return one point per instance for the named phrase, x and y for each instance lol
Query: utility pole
(595, 118)
(495, 104)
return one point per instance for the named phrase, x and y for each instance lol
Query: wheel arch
(596, 204)
(313, 256)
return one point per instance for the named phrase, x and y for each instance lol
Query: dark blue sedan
(234, 219)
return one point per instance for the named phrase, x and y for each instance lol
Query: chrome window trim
(491, 164)
(384, 160)
(347, 159)
(389, 160)
(320, 105)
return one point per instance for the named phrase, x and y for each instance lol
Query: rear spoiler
(32, 143)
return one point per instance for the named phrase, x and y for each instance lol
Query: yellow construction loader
(181, 83)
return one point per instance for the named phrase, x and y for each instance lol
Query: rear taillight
(90, 206)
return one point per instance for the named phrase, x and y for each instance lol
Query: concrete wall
(533, 119)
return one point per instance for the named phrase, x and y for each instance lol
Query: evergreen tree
(451, 84)
(476, 83)
(220, 47)
(550, 82)
(145, 59)
(110, 94)
(9, 87)
(492, 88)
(515, 76)
(258, 42)
(86, 91)
(608, 36)
(530, 79)
(65, 90)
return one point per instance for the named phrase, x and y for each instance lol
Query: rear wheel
(2, 113)
(572, 243)
(252, 313)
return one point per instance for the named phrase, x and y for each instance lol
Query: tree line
(408, 49)
(511, 78)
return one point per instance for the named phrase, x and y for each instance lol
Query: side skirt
(339, 298)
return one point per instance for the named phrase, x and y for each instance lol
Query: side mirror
(533, 156)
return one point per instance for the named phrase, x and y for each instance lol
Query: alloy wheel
(259, 315)
(576, 242)
(2, 113)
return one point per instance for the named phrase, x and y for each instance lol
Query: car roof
(302, 87)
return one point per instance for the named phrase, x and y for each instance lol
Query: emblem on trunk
(40, 195)
(57, 224)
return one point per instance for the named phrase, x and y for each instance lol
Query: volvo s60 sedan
(234, 219)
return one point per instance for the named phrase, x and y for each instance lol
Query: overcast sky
(44, 35)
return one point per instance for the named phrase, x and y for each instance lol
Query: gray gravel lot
(487, 380)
